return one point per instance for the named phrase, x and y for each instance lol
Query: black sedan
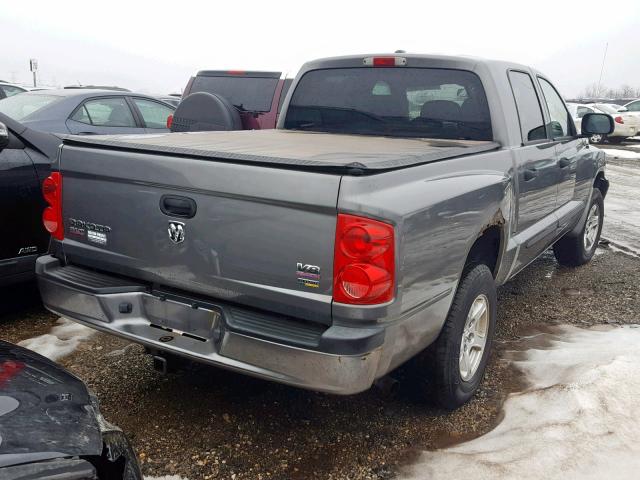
(87, 111)
(51, 426)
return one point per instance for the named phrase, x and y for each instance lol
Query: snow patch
(578, 420)
(616, 153)
(63, 339)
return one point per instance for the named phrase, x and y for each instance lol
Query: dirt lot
(208, 423)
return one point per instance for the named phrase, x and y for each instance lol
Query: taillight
(169, 120)
(364, 261)
(8, 370)
(52, 215)
(619, 120)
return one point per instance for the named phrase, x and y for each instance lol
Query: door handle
(177, 206)
(530, 174)
(564, 162)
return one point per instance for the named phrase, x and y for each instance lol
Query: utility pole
(602, 68)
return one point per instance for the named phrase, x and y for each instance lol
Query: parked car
(633, 107)
(231, 100)
(371, 226)
(88, 112)
(8, 90)
(25, 161)
(626, 124)
(51, 426)
(98, 87)
(170, 99)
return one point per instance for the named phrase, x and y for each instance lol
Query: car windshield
(19, 107)
(253, 94)
(401, 101)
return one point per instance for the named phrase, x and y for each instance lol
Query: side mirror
(623, 109)
(4, 136)
(596, 124)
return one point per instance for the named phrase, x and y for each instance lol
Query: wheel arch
(601, 183)
(488, 246)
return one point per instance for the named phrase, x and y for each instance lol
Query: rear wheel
(577, 249)
(597, 138)
(456, 362)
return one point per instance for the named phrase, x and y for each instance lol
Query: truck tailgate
(252, 226)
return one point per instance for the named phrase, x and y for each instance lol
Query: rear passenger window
(582, 111)
(81, 116)
(154, 114)
(106, 112)
(529, 110)
(561, 123)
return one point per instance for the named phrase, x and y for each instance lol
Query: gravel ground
(208, 423)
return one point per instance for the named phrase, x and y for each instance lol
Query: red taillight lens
(169, 121)
(384, 61)
(619, 120)
(52, 215)
(364, 261)
(8, 370)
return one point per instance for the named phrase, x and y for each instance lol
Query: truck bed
(294, 149)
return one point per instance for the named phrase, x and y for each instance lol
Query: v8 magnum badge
(94, 232)
(308, 275)
(176, 232)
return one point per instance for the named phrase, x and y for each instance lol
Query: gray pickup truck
(370, 227)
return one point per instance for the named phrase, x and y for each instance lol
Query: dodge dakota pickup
(371, 227)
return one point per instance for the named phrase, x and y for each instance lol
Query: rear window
(245, 93)
(19, 107)
(411, 102)
(606, 108)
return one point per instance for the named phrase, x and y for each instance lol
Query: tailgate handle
(176, 206)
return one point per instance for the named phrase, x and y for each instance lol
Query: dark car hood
(45, 411)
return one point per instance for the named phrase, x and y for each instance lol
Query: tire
(597, 138)
(451, 384)
(574, 250)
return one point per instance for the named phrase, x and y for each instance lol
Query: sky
(154, 47)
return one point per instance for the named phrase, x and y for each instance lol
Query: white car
(632, 107)
(627, 124)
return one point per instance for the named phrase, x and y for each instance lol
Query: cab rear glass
(253, 94)
(401, 101)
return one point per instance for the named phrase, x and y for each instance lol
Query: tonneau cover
(294, 148)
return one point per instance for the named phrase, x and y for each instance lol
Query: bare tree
(627, 91)
(624, 91)
(591, 91)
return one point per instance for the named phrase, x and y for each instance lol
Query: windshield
(407, 102)
(19, 107)
(245, 93)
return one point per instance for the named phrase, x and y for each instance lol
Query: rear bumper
(336, 359)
